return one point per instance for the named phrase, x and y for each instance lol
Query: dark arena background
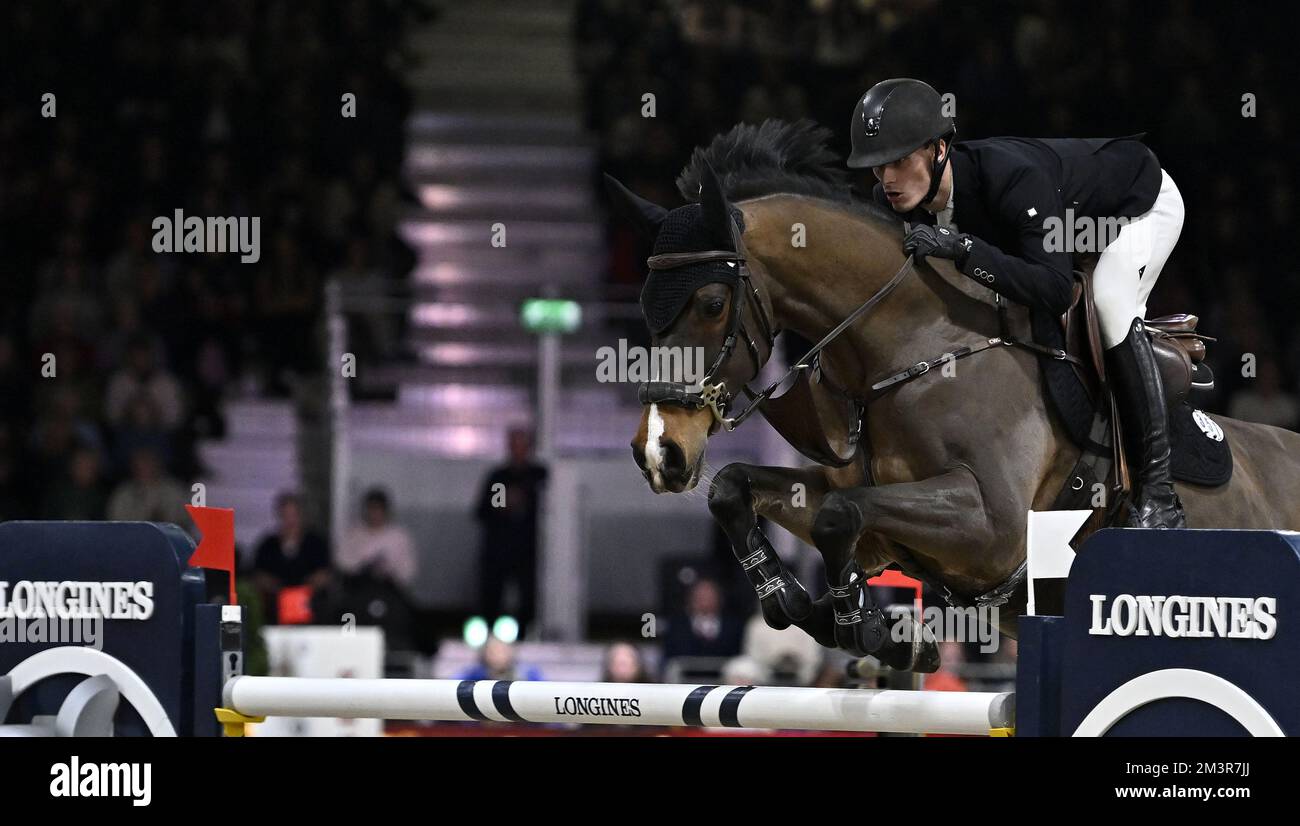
(352, 269)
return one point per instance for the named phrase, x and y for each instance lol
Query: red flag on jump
(216, 549)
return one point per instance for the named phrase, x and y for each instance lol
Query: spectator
(148, 494)
(378, 548)
(703, 630)
(624, 664)
(508, 507)
(293, 555)
(142, 382)
(790, 659)
(79, 495)
(744, 670)
(141, 429)
(376, 565)
(497, 662)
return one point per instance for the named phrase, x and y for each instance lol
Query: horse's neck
(847, 260)
(1012, 439)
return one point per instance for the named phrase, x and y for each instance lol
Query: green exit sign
(550, 315)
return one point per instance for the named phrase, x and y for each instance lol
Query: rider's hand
(925, 241)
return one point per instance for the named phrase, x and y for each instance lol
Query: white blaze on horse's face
(654, 456)
(669, 446)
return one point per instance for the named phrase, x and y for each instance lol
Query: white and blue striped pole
(643, 704)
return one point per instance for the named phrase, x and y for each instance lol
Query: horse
(947, 463)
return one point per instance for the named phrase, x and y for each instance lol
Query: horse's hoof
(774, 615)
(858, 639)
(918, 651)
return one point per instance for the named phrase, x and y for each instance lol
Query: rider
(989, 211)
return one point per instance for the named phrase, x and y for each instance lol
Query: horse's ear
(717, 212)
(645, 215)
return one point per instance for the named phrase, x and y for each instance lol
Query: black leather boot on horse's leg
(781, 596)
(860, 625)
(1141, 397)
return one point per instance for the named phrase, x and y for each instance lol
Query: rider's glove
(939, 242)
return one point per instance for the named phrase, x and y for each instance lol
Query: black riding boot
(1141, 397)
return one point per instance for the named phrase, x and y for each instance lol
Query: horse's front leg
(927, 514)
(738, 494)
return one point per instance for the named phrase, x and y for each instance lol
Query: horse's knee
(839, 520)
(729, 495)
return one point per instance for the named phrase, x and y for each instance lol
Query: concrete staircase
(498, 141)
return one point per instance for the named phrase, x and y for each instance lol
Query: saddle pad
(1200, 451)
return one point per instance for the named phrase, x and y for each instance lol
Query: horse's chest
(891, 470)
(903, 453)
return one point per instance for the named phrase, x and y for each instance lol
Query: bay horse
(948, 463)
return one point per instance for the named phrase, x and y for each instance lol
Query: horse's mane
(776, 157)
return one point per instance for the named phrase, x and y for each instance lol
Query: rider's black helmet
(895, 118)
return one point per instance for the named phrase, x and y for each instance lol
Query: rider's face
(906, 180)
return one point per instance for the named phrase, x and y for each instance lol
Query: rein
(713, 394)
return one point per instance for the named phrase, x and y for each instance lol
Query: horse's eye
(713, 308)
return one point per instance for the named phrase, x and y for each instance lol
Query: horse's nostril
(674, 459)
(638, 456)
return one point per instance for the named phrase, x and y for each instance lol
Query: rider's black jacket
(1004, 189)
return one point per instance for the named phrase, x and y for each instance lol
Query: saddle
(1179, 349)
(1079, 391)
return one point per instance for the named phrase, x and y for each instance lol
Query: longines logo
(1244, 618)
(66, 600)
(598, 706)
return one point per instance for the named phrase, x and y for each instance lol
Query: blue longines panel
(124, 577)
(1225, 603)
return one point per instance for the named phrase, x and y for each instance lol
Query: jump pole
(641, 704)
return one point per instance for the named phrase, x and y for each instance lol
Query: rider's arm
(1037, 277)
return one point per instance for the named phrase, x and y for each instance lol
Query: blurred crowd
(1200, 79)
(115, 359)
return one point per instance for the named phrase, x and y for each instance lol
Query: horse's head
(701, 307)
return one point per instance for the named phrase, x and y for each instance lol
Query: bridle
(712, 393)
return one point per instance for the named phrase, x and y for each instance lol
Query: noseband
(712, 393)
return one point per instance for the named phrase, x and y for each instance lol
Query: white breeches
(1127, 269)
